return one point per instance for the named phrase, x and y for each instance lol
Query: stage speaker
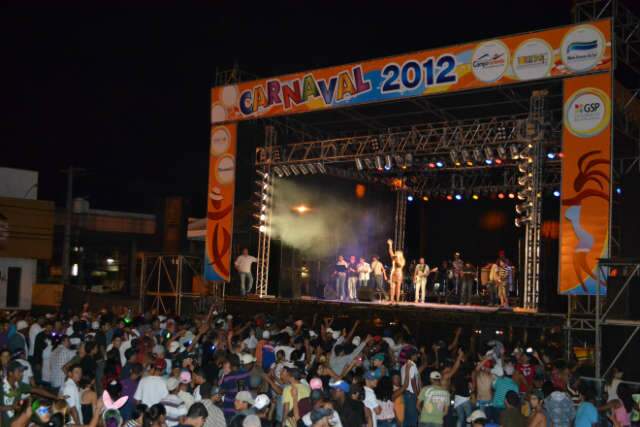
(366, 294)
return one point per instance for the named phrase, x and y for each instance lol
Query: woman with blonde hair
(396, 277)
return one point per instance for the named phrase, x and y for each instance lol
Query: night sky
(124, 92)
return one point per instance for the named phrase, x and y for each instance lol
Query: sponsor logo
(490, 60)
(587, 112)
(532, 59)
(582, 48)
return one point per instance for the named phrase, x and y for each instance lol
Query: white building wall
(27, 280)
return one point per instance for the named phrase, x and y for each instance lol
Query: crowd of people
(253, 370)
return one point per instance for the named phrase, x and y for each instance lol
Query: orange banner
(586, 183)
(221, 193)
(558, 52)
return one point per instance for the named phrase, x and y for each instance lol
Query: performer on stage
(364, 273)
(420, 276)
(340, 272)
(379, 275)
(457, 268)
(352, 278)
(498, 279)
(396, 276)
(243, 266)
(468, 275)
(305, 278)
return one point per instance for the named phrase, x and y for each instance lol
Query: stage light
(262, 229)
(498, 161)
(477, 156)
(379, 164)
(488, 161)
(264, 197)
(515, 152)
(469, 163)
(399, 160)
(263, 208)
(359, 165)
(425, 198)
(523, 195)
(387, 162)
(556, 193)
(265, 186)
(523, 167)
(560, 154)
(500, 195)
(524, 180)
(303, 169)
(408, 160)
(475, 197)
(453, 154)
(263, 175)
(521, 221)
(286, 171)
(312, 168)
(502, 153)
(440, 164)
(278, 171)
(523, 207)
(488, 153)
(458, 197)
(431, 165)
(618, 190)
(321, 167)
(294, 169)
(465, 156)
(512, 196)
(551, 155)
(369, 163)
(410, 198)
(301, 209)
(449, 197)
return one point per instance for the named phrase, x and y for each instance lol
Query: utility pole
(66, 245)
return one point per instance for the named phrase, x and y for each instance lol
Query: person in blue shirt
(587, 413)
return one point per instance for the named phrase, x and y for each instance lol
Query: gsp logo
(587, 112)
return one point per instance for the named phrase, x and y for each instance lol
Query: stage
(408, 312)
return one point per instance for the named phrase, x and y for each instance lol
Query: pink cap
(315, 384)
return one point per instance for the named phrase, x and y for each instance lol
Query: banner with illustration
(544, 54)
(586, 182)
(221, 192)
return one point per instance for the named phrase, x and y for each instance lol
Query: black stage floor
(477, 315)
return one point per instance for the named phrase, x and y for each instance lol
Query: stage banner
(586, 181)
(221, 192)
(557, 52)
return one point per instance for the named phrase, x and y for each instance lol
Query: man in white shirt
(175, 407)
(34, 330)
(71, 392)
(243, 265)
(379, 275)
(410, 396)
(370, 399)
(60, 356)
(364, 271)
(152, 388)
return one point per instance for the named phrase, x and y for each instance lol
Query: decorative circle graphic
(490, 61)
(220, 140)
(229, 96)
(582, 48)
(226, 169)
(218, 113)
(533, 59)
(587, 112)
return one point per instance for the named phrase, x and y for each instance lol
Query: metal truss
(400, 220)
(162, 281)
(626, 27)
(421, 140)
(264, 229)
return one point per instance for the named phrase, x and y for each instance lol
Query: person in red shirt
(527, 371)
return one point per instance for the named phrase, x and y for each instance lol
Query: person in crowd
(60, 356)
(621, 406)
(502, 385)
(512, 415)
(370, 399)
(559, 408)
(243, 407)
(72, 392)
(152, 388)
(172, 403)
(211, 398)
(433, 402)
(12, 391)
(243, 266)
(234, 379)
(196, 417)
(537, 416)
(587, 413)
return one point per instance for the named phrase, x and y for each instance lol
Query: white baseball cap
(478, 414)
(261, 402)
(172, 384)
(246, 358)
(266, 335)
(435, 375)
(22, 324)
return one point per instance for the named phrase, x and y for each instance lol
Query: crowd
(102, 368)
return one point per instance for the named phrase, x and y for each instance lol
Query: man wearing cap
(13, 391)
(434, 402)
(152, 388)
(290, 377)
(351, 412)
(210, 398)
(370, 400)
(18, 340)
(172, 403)
(261, 407)
(477, 418)
(243, 404)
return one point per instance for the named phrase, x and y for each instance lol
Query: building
(26, 236)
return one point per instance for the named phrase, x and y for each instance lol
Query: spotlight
(263, 175)
(453, 154)
(488, 153)
(431, 165)
(303, 169)
(399, 160)
(500, 195)
(369, 163)
(465, 156)
(523, 207)
(408, 160)
(387, 162)
(515, 152)
(469, 163)
(425, 198)
(440, 164)
(475, 197)
(410, 198)
(449, 197)
(523, 195)
(498, 161)
(286, 171)
(618, 190)
(551, 155)
(379, 164)
(512, 196)
(523, 167)
(488, 161)
(502, 153)
(294, 169)
(312, 168)
(359, 165)
(321, 167)
(458, 197)
(556, 193)
(477, 156)
(262, 229)
(560, 154)
(278, 171)
(521, 221)
(523, 180)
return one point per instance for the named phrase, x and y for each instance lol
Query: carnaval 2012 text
(349, 83)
